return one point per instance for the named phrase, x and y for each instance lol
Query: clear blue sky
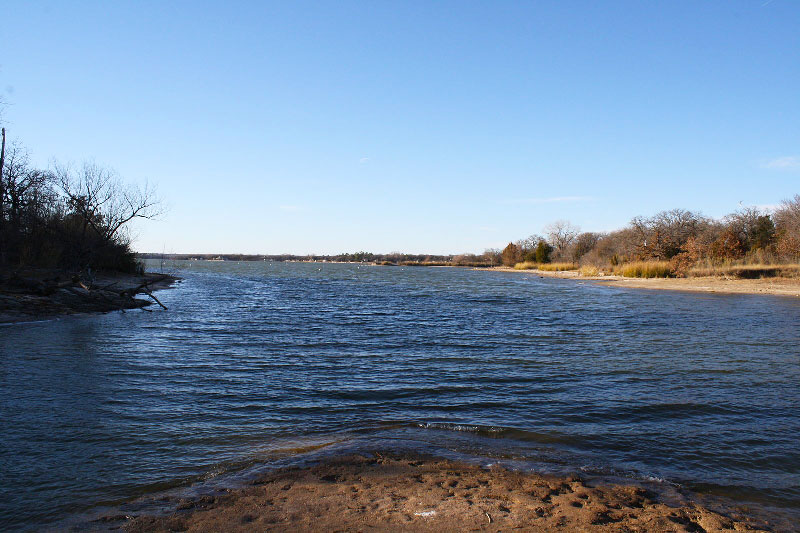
(410, 126)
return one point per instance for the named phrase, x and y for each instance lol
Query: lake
(258, 362)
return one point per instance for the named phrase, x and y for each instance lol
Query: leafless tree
(24, 188)
(104, 204)
(787, 222)
(583, 244)
(561, 233)
(2, 191)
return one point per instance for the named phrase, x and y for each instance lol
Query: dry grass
(558, 267)
(526, 265)
(752, 271)
(645, 269)
(547, 267)
(589, 270)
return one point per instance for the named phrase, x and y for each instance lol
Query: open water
(256, 361)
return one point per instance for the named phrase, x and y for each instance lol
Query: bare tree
(583, 244)
(23, 187)
(103, 203)
(787, 222)
(2, 195)
(561, 233)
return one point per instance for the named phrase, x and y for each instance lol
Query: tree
(664, 234)
(102, 206)
(511, 255)
(729, 245)
(754, 227)
(543, 251)
(23, 188)
(2, 196)
(787, 227)
(583, 244)
(561, 234)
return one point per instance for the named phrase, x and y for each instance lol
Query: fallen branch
(151, 295)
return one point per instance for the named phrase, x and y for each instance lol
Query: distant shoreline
(764, 286)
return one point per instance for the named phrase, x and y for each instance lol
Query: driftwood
(84, 288)
(145, 288)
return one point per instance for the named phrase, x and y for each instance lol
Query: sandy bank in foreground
(410, 493)
(775, 286)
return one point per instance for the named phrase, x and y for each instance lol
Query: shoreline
(415, 492)
(43, 297)
(763, 286)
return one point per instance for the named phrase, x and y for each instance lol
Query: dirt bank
(775, 286)
(37, 295)
(412, 493)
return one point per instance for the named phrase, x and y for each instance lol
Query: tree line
(67, 217)
(682, 238)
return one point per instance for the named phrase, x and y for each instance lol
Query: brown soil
(774, 286)
(410, 493)
(21, 297)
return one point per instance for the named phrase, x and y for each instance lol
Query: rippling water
(697, 389)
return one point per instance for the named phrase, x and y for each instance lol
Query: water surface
(695, 389)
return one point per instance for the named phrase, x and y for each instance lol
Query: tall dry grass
(526, 265)
(547, 267)
(746, 271)
(645, 269)
(558, 267)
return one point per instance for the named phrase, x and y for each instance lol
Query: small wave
(493, 430)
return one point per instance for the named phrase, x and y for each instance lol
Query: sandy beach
(412, 493)
(773, 286)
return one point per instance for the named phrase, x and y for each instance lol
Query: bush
(511, 255)
(542, 252)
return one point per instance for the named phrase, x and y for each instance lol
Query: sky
(421, 127)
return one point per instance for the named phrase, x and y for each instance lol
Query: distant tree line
(678, 239)
(66, 218)
(394, 258)
(682, 238)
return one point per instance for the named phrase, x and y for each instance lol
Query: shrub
(511, 255)
(542, 253)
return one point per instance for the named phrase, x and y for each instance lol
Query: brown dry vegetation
(750, 243)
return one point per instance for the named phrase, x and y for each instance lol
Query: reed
(526, 265)
(589, 270)
(645, 269)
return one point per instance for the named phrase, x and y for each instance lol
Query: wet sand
(415, 493)
(773, 286)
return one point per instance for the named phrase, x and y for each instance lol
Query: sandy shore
(775, 286)
(412, 493)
